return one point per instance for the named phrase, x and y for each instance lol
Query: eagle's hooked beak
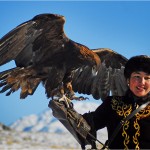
(94, 71)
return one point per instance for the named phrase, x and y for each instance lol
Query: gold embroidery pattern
(124, 110)
(137, 134)
(124, 134)
(121, 108)
(142, 114)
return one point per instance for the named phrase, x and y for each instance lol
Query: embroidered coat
(135, 134)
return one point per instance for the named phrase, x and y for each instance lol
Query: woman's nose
(142, 80)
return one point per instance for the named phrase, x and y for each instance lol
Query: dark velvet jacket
(135, 134)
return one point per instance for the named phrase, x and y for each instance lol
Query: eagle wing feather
(110, 79)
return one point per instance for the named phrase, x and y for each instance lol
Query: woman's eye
(136, 77)
(147, 78)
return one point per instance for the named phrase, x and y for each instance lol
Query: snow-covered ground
(27, 140)
(14, 140)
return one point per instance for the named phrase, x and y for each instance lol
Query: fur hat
(137, 63)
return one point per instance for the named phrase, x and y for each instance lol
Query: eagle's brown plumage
(43, 53)
(109, 80)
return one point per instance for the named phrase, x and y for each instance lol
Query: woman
(135, 133)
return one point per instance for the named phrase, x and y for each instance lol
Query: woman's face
(139, 83)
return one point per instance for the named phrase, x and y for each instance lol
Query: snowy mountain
(53, 135)
(45, 122)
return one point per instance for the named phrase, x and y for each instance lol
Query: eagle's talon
(80, 98)
(83, 98)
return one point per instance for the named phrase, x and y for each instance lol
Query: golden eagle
(43, 53)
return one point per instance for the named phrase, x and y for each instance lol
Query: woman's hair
(137, 63)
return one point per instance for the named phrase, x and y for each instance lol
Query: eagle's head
(52, 22)
(50, 18)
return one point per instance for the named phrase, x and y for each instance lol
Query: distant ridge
(45, 122)
(4, 127)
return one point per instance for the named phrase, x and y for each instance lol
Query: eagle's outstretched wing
(29, 42)
(109, 80)
(42, 53)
